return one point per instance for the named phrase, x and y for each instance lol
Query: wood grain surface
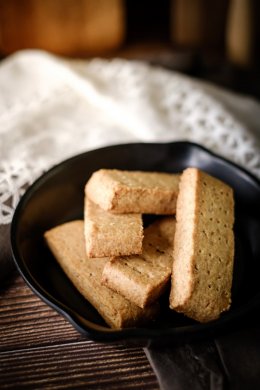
(40, 349)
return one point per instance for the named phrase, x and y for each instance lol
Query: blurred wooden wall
(95, 27)
(68, 27)
(197, 36)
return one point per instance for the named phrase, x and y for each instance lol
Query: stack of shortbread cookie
(122, 269)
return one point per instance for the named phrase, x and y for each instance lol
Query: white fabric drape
(52, 108)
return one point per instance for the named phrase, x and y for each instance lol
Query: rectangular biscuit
(134, 191)
(203, 247)
(142, 279)
(108, 234)
(67, 244)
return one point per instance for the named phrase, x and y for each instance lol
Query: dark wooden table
(40, 349)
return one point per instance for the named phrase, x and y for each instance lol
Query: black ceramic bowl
(57, 197)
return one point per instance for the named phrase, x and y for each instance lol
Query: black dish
(57, 197)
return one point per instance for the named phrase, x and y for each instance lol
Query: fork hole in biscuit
(160, 251)
(204, 232)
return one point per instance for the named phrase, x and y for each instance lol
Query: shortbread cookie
(110, 234)
(134, 191)
(203, 247)
(142, 279)
(67, 244)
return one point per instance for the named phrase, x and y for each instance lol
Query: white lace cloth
(51, 109)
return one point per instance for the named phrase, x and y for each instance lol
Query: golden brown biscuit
(67, 245)
(133, 191)
(203, 247)
(108, 234)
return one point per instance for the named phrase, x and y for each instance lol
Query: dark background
(215, 40)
